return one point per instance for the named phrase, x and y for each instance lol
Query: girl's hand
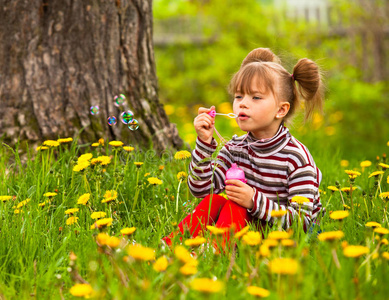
(240, 193)
(204, 124)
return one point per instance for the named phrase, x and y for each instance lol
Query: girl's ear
(283, 110)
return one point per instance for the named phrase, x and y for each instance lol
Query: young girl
(276, 165)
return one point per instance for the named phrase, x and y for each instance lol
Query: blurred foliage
(195, 71)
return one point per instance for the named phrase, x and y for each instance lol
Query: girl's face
(258, 112)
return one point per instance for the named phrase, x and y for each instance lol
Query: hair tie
(292, 77)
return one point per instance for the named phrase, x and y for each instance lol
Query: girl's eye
(257, 98)
(238, 97)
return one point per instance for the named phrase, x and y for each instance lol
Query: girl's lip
(243, 117)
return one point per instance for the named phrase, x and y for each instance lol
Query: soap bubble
(127, 116)
(133, 124)
(111, 120)
(94, 110)
(119, 100)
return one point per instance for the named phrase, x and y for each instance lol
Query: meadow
(80, 220)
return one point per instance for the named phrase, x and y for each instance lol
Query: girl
(276, 165)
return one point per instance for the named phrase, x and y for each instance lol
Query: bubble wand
(213, 113)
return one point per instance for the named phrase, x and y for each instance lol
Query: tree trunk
(60, 57)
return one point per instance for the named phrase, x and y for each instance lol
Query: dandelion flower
(104, 160)
(365, 164)
(101, 141)
(81, 290)
(41, 148)
(113, 242)
(116, 143)
(160, 264)
(23, 203)
(381, 230)
(197, 241)
(216, 230)
(339, 214)
(332, 188)
(51, 143)
(109, 196)
(384, 242)
(128, 148)
(161, 167)
(344, 163)
(138, 164)
(65, 140)
(139, 252)
(85, 157)
(42, 204)
(83, 199)
(330, 235)
(355, 251)
(283, 266)
(372, 224)
(384, 195)
(71, 220)
(242, 232)
(385, 254)
(95, 144)
(383, 166)
(188, 269)
(128, 231)
(348, 189)
(81, 166)
(257, 291)
(352, 174)
(98, 215)
(71, 211)
(49, 195)
(102, 239)
(288, 243)
(278, 213)
(180, 155)
(154, 181)
(252, 238)
(270, 243)
(264, 251)
(376, 173)
(5, 198)
(206, 285)
(278, 235)
(299, 199)
(102, 223)
(182, 254)
(181, 176)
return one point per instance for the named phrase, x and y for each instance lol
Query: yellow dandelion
(128, 148)
(257, 291)
(383, 166)
(385, 254)
(181, 176)
(102, 223)
(242, 232)
(381, 230)
(180, 155)
(384, 242)
(284, 266)
(65, 140)
(154, 181)
(372, 224)
(71, 211)
(41, 148)
(376, 173)
(278, 235)
(355, 251)
(50, 143)
(128, 231)
(339, 214)
(206, 285)
(5, 198)
(81, 166)
(270, 243)
(113, 242)
(138, 164)
(85, 157)
(116, 143)
(104, 160)
(139, 252)
(42, 204)
(160, 264)
(365, 164)
(101, 141)
(216, 230)
(98, 215)
(252, 238)
(384, 195)
(81, 290)
(264, 251)
(299, 199)
(332, 188)
(197, 241)
(102, 239)
(352, 174)
(71, 220)
(109, 196)
(95, 144)
(188, 269)
(330, 235)
(83, 199)
(288, 243)
(344, 163)
(17, 211)
(348, 189)
(147, 174)
(278, 213)
(23, 203)
(49, 194)
(182, 254)
(161, 167)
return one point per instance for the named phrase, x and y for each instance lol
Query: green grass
(36, 243)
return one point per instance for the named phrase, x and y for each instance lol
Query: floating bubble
(127, 116)
(94, 110)
(119, 100)
(111, 120)
(133, 124)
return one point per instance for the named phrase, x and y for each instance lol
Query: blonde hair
(264, 66)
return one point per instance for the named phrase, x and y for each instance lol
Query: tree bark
(59, 57)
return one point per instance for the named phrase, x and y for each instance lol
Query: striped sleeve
(303, 182)
(207, 175)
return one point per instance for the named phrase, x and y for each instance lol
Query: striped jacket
(278, 169)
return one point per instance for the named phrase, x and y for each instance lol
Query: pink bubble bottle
(235, 173)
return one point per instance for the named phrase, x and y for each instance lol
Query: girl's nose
(243, 103)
